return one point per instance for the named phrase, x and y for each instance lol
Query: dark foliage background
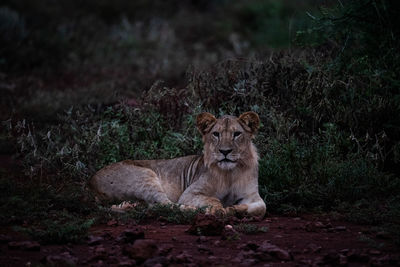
(84, 84)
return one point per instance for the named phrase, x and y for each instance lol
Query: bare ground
(288, 241)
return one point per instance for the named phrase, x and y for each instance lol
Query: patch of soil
(288, 241)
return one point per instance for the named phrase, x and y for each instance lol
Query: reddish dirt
(289, 241)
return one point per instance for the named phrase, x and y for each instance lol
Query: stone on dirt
(5, 239)
(204, 249)
(100, 253)
(63, 259)
(357, 256)
(229, 233)
(131, 235)
(183, 257)
(201, 239)
(127, 263)
(313, 248)
(141, 250)
(112, 223)
(156, 261)
(206, 225)
(94, 240)
(275, 251)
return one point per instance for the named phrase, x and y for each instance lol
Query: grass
(60, 230)
(43, 213)
(250, 229)
(164, 213)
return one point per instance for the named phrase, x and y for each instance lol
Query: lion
(224, 178)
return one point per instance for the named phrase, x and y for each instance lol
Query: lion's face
(227, 140)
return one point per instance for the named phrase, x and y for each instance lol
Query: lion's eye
(236, 134)
(216, 134)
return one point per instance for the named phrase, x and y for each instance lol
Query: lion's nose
(225, 152)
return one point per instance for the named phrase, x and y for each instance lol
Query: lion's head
(227, 140)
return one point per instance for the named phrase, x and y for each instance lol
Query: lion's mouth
(227, 160)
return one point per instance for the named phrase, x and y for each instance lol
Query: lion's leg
(196, 199)
(254, 206)
(126, 181)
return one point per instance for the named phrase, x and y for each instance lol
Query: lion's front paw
(123, 207)
(187, 208)
(216, 210)
(241, 209)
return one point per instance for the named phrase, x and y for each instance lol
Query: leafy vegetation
(164, 213)
(250, 229)
(329, 103)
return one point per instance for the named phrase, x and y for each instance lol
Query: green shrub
(165, 213)
(69, 229)
(250, 229)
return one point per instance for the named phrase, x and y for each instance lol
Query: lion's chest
(230, 194)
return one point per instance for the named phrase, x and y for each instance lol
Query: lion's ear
(250, 121)
(205, 121)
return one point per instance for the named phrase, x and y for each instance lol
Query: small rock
(204, 249)
(374, 252)
(314, 226)
(206, 224)
(266, 247)
(63, 259)
(248, 262)
(107, 235)
(183, 258)
(141, 250)
(201, 239)
(251, 246)
(319, 225)
(131, 235)
(343, 260)
(5, 239)
(94, 240)
(356, 256)
(228, 227)
(217, 243)
(344, 251)
(390, 260)
(330, 230)
(340, 228)
(112, 259)
(212, 258)
(165, 250)
(156, 261)
(274, 251)
(331, 258)
(112, 223)
(127, 263)
(306, 262)
(383, 235)
(237, 260)
(281, 254)
(100, 254)
(229, 233)
(263, 256)
(24, 245)
(313, 248)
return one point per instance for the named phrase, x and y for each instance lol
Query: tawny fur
(224, 177)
